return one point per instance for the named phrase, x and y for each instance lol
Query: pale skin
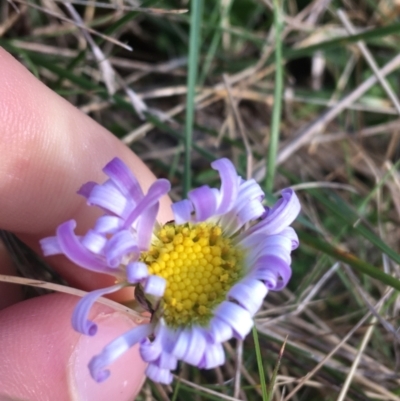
(48, 149)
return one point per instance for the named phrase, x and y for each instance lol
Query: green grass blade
(277, 109)
(271, 384)
(343, 211)
(348, 258)
(195, 26)
(260, 365)
(342, 41)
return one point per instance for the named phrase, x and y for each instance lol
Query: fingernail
(127, 373)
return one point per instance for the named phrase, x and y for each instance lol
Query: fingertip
(126, 373)
(39, 345)
(48, 150)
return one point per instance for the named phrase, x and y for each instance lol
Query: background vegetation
(297, 93)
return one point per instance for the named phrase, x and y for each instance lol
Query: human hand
(48, 149)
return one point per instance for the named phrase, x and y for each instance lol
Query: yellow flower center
(199, 264)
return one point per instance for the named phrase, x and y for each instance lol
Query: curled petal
(159, 375)
(157, 190)
(253, 210)
(136, 272)
(249, 293)
(86, 189)
(150, 351)
(94, 241)
(76, 252)
(108, 197)
(196, 347)
(115, 349)
(273, 271)
(50, 246)
(280, 216)
(291, 234)
(122, 177)
(145, 227)
(155, 285)
(237, 317)
(108, 224)
(167, 336)
(204, 200)
(229, 185)
(182, 211)
(219, 331)
(120, 245)
(80, 321)
(278, 246)
(248, 207)
(167, 361)
(214, 356)
(181, 344)
(261, 245)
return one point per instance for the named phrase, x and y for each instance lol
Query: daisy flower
(203, 276)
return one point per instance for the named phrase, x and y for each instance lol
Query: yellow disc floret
(199, 264)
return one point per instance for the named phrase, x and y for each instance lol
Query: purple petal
(278, 246)
(50, 246)
(94, 241)
(248, 207)
(249, 190)
(214, 356)
(273, 271)
(121, 244)
(86, 189)
(126, 182)
(229, 185)
(136, 272)
(155, 285)
(291, 234)
(115, 349)
(166, 361)
(150, 351)
(181, 344)
(159, 375)
(237, 317)
(250, 294)
(196, 347)
(182, 211)
(219, 331)
(146, 227)
(159, 351)
(204, 200)
(166, 336)
(280, 216)
(158, 189)
(261, 245)
(80, 321)
(108, 197)
(108, 224)
(252, 211)
(77, 253)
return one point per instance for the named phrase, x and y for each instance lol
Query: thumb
(43, 358)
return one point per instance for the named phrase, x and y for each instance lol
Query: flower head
(203, 276)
